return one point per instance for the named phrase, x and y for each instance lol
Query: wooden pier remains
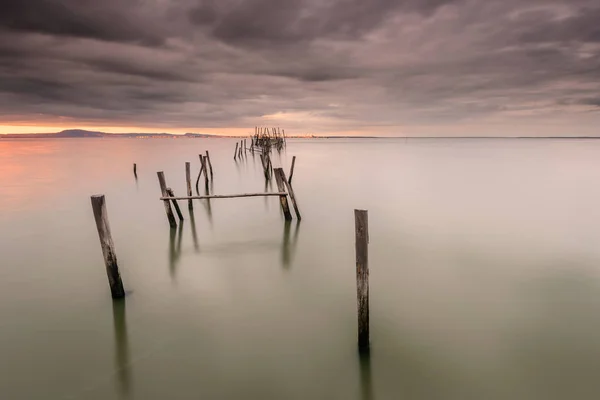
(361, 221)
(108, 247)
(188, 182)
(163, 189)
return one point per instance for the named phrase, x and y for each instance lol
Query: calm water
(484, 257)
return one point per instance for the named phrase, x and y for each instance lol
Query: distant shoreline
(83, 134)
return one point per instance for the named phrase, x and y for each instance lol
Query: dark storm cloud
(112, 20)
(299, 20)
(311, 65)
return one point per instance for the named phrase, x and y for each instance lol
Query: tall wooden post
(361, 221)
(163, 189)
(209, 165)
(188, 181)
(283, 198)
(108, 247)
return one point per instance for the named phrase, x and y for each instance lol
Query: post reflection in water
(208, 208)
(194, 232)
(174, 252)
(366, 386)
(288, 251)
(122, 365)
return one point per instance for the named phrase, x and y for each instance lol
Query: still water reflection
(484, 272)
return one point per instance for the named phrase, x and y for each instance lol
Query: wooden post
(245, 148)
(205, 168)
(209, 165)
(199, 173)
(241, 143)
(188, 181)
(361, 221)
(236, 150)
(283, 198)
(292, 169)
(135, 170)
(171, 194)
(163, 189)
(290, 191)
(108, 247)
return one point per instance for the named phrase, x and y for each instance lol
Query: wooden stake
(188, 181)
(135, 170)
(108, 247)
(236, 150)
(163, 189)
(170, 193)
(290, 191)
(361, 221)
(205, 168)
(199, 173)
(209, 165)
(283, 198)
(292, 169)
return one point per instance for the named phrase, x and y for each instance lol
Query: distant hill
(81, 133)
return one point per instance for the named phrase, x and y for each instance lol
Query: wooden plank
(290, 191)
(174, 200)
(108, 247)
(224, 196)
(283, 198)
(209, 165)
(188, 181)
(163, 189)
(361, 221)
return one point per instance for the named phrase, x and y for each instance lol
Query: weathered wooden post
(236, 150)
(188, 181)
(361, 221)
(108, 247)
(241, 143)
(245, 148)
(163, 189)
(175, 204)
(282, 198)
(292, 169)
(205, 168)
(135, 170)
(290, 191)
(209, 165)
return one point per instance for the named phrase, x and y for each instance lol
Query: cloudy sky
(371, 67)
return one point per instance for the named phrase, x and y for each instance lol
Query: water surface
(484, 259)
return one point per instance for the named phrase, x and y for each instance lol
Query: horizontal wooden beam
(225, 196)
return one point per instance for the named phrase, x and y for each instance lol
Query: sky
(323, 67)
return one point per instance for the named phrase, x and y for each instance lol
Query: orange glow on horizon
(32, 129)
